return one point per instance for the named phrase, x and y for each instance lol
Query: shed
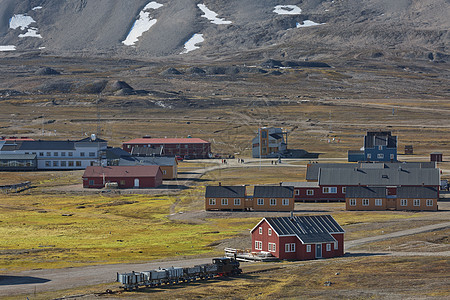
(436, 156)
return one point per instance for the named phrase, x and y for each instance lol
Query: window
(258, 245)
(63, 164)
(164, 172)
(297, 192)
(41, 153)
(70, 153)
(336, 245)
(82, 154)
(369, 156)
(380, 148)
(49, 154)
(308, 248)
(309, 192)
(260, 230)
(429, 202)
(91, 182)
(63, 153)
(122, 182)
(91, 154)
(272, 247)
(353, 202)
(212, 201)
(365, 202)
(237, 201)
(285, 202)
(55, 163)
(404, 202)
(70, 163)
(392, 156)
(328, 247)
(289, 247)
(260, 201)
(344, 190)
(224, 201)
(273, 202)
(78, 163)
(380, 155)
(378, 202)
(330, 190)
(48, 163)
(269, 231)
(416, 202)
(55, 153)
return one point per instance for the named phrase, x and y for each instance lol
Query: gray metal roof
(344, 176)
(309, 229)
(267, 191)
(380, 138)
(146, 151)
(365, 192)
(47, 145)
(300, 184)
(396, 165)
(145, 161)
(312, 171)
(225, 192)
(420, 192)
(17, 156)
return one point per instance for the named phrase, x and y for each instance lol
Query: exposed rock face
(47, 71)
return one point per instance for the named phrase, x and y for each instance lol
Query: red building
(184, 147)
(299, 237)
(124, 176)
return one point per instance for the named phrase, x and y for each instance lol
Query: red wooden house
(299, 237)
(124, 176)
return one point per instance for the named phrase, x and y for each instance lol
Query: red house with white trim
(299, 237)
(124, 176)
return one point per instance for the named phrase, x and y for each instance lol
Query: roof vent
(384, 176)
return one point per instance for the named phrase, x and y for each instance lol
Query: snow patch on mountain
(308, 23)
(23, 22)
(191, 44)
(142, 24)
(211, 15)
(7, 48)
(31, 32)
(287, 10)
(37, 8)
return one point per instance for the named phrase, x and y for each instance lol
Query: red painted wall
(144, 182)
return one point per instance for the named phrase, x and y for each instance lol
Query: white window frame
(380, 155)
(344, 189)
(269, 231)
(430, 202)
(378, 202)
(352, 202)
(336, 245)
(258, 245)
(416, 202)
(272, 247)
(237, 201)
(369, 155)
(285, 202)
(308, 248)
(273, 202)
(289, 247)
(260, 201)
(212, 201)
(403, 202)
(297, 192)
(380, 148)
(392, 156)
(260, 230)
(309, 192)
(365, 202)
(328, 247)
(224, 201)
(330, 190)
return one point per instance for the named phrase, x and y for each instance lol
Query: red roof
(121, 171)
(167, 141)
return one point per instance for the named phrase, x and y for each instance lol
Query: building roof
(267, 191)
(396, 165)
(147, 151)
(225, 191)
(383, 177)
(145, 161)
(363, 191)
(417, 192)
(116, 152)
(44, 145)
(312, 170)
(300, 184)
(121, 171)
(308, 229)
(17, 156)
(167, 141)
(380, 138)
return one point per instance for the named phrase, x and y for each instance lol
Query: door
(318, 250)
(136, 183)
(391, 203)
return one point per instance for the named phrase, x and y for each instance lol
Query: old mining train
(219, 267)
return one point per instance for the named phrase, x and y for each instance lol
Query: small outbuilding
(124, 176)
(436, 156)
(299, 237)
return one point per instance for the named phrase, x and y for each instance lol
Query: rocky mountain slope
(190, 29)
